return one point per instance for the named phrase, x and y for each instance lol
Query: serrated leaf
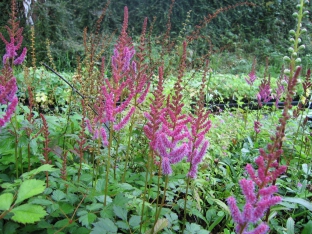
(94, 206)
(40, 201)
(58, 195)
(300, 201)
(45, 167)
(28, 213)
(120, 200)
(120, 212)
(135, 221)
(104, 225)
(64, 223)
(6, 200)
(160, 225)
(290, 225)
(29, 188)
(87, 219)
(122, 225)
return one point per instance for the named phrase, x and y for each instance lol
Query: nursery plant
(137, 141)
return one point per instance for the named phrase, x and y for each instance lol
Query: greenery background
(255, 30)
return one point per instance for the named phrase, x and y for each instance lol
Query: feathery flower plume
(257, 126)
(252, 75)
(264, 94)
(8, 85)
(125, 84)
(171, 144)
(200, 125)
(157, 110)
(14, 44)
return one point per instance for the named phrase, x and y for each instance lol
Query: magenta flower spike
(167, 127)
(264, 94)
(252, 75)
(118, 92)
(251, 78)
(8, 85)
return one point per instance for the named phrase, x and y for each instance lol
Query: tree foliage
(63, 21)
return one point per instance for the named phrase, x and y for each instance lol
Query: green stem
(108, 162)
(145, 188)
(128, 151)
(162, 203)
(185, 201)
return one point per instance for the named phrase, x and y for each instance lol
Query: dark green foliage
(62, 22)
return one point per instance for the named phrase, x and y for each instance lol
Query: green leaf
(64, 223)
(122, 225)
(300, 201)
(87, 219)
(40, 201)
(290, 225)
(192, 228)
(58, 195)
(135, 221)
(94, 206)
(222, 205)
(307, 228)
(45, 167)
(198, 214)
(6, 200)
(160, 225)
(120, 212)
(10, 228)
(215, 223)
(29, 188)
(104, 225)
(28, 213)
(120, 200)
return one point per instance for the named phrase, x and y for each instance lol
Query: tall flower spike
(157, 110)
(171, 139)
(14, 44)
(8, 86)
(200, 125)
(264, 94)
(252, 75)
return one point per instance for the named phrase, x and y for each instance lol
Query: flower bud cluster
(295, 39)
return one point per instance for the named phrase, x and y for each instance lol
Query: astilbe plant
(116, 94)
(197, 144)
(260, 188)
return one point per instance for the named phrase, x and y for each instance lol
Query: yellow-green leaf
(29, 188)
(160, 225)
(6, 200)
(28, 213)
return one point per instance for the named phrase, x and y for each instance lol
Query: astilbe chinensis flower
(264, 94)
(157, 110)
(13, 45)
(118, 91)
(252, 75)
(8, 85)
(171, 139)
(200, 125)
(257, 126)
